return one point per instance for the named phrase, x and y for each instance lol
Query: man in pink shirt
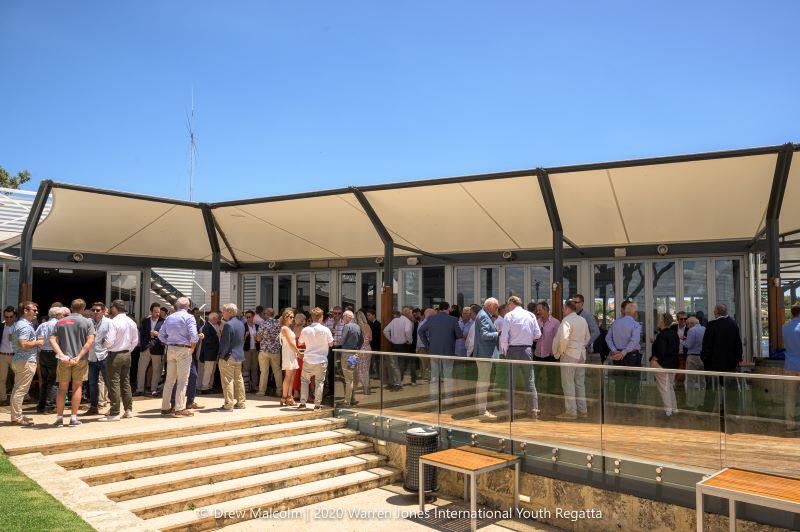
(547, 377)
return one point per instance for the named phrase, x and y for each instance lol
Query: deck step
(114, 472)
(199, 476)
(246, 508)
(220, 492)
(206, 441)
(184, 429)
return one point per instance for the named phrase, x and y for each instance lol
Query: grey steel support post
(774, 290)
(26, 240)
(558, 241)
(216, 256)
(388, 259)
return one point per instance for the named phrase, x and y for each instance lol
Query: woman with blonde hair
(289, 355)
(300, 321)
(362, 367)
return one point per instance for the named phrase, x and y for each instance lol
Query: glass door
(347, 288)
(665, 292)
(124, 286)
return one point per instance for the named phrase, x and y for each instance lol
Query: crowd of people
(96, 354)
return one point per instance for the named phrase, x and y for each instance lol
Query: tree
(9, 181)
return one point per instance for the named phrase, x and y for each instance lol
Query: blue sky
(296, 96)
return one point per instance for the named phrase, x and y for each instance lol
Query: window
(433, 286)
(665, 290)
(570, 281)
(515, 282)
(322, 290)
(465, 286)
(604, 302)
(284, 292)
(727, 285)
(411, 288)
(303, 291)
(540, 284)
(348, 288)
(695, 288)
(633, 288)
(369, 290)
(490, 282)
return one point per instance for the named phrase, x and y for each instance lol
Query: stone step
(114, 472)
(190, 426)
(135, 451)
(219, 492)
(229, 512)
(186, 478)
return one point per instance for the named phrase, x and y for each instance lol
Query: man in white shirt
(122, 337)
(569, 345)
(520, 329)
(400, 333)
(97, 358)
(318, 339)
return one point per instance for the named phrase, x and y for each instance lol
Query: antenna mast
(192, 148)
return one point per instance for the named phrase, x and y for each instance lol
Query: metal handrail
(607, 367)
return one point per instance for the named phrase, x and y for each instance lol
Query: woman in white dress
(289, 354)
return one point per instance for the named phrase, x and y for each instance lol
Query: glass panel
(123, 286)
(411, 288)
(540, 284)
(417, 404)
(570, 281)
(515, 282)
(284, 291)
(347, 288)
(322, 290)
(12, 298)
(727, 285)
(361, 378)
(465, 286)
(267, 291)
(633, 289)
(640, 411)
(303, 292)
(761, 424)
(664, 289)
(490, 282)
(369, 290)
(695, 288)
(568, 398)
(474, 400)
(604, 302)
(433, 286)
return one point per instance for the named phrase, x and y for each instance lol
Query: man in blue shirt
(623, 340)
(179, 334)
(231, 356)
(791, 366)
(24, 344)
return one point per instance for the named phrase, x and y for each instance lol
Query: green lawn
(26, 506)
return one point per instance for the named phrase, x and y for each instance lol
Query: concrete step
(127, 436)
(246, 508)
(219, 492)
(181, 444)
(114, 472)
(186, 478)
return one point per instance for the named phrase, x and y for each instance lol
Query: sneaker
(154, 394)
(183, 413)
(238, 406)
(223, 409)
(74, 423)
(194, 406)
(110, 418)
(566, 416)
(128, 414)
(488, 416)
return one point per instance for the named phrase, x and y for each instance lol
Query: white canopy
(699, 198)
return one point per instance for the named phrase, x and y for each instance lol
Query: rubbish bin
(420, 441)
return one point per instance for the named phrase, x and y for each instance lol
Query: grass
(26, 506)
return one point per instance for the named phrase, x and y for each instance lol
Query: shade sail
(703, 198)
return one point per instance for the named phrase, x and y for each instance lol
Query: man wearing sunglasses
(25, 346)
(97, 357)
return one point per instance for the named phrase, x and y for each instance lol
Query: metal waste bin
(420, 441)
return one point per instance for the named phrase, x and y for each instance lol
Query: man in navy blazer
(439, 334)
(231, 356)
(486, 342)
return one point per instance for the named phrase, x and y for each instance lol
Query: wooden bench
(771, 491)
(471, 461)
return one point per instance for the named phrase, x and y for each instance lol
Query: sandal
(290, 401)
(284, 402)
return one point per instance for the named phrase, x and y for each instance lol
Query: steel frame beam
(26, 240)
(774, 291)
(225, 241)
(208, 218)
(558, 240)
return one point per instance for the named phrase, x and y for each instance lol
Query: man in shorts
(72, 339)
